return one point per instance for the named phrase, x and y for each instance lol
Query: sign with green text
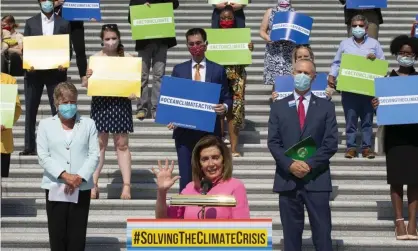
(357, 74)
(229, 46)
(233, 1)
(154, 21)
(7, 104)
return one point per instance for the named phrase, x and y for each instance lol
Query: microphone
(206, 185)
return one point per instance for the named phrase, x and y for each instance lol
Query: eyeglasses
(197, 43)
(109, 26)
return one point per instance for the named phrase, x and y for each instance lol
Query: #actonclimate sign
(150, 234)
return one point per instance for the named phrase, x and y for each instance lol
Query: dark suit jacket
(284, 131)
(33, 27)
(214, 74)
(349, 14)
(140, 44)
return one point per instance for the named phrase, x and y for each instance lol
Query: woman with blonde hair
(68, 152)
(211, 160)
(113, 115)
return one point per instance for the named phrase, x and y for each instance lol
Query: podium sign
(183, 234)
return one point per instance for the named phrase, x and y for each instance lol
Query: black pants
(16, 64)
(34, 86)
(79, 45)
(5, 164)
(67, 223)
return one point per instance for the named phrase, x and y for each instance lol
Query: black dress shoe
(26, 153)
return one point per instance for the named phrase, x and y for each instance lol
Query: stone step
(105, 242)
(31, 189)
(25, 207)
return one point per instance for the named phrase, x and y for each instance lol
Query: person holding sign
(414, 28)
(238, 12)
(78, 41)
(237, 77)
(45, 23)
(373, 15)
(212, 161)
(68, 151)
(300, 52)
(357, 105)
(297, 117)
(7, 133)
(198, 69)
(278, 54)
(154, 54)
(400, 143)
(13, 54)
(113, 115)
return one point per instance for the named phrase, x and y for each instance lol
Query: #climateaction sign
(229, 46)
(291, 26)
(357, 74)
(152, 22)
(81, 10)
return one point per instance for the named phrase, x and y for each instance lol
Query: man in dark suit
(153, 53)
(293, 119)
(45, 23)
(198, 69)
(374, 16)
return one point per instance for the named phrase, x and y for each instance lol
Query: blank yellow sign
(46, 52)
(115, 76)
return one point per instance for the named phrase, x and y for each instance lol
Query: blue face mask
(47, 6)
(302, 82)
(67, 111)
(405, 61)
(358, 32)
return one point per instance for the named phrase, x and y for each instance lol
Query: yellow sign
(46, 52)
(115, 76)
(201, 238)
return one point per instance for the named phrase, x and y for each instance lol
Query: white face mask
(111, 45)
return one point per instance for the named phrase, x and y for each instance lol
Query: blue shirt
(350, 46)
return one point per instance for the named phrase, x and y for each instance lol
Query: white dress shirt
(202, 70)
(47, 25)
(305, 102)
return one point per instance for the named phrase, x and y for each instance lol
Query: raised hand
(164, 175)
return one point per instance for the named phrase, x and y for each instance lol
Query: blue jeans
(358, 106)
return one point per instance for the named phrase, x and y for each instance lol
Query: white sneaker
(225, 140)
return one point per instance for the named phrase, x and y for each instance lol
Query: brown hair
(206, 142)
(10, 19)
(113, 28)
(295, 52)
(63, 87)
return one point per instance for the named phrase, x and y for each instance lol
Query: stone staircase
(361, 207)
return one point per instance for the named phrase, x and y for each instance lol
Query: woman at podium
(212, 161)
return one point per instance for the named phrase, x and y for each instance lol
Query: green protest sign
(302, 151)
(233, 1)
(7, 104)
(154, 21)
(229, 46)
(357, 74)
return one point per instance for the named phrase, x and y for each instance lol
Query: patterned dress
(278, 56)
(236, 78)
(112, 114)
